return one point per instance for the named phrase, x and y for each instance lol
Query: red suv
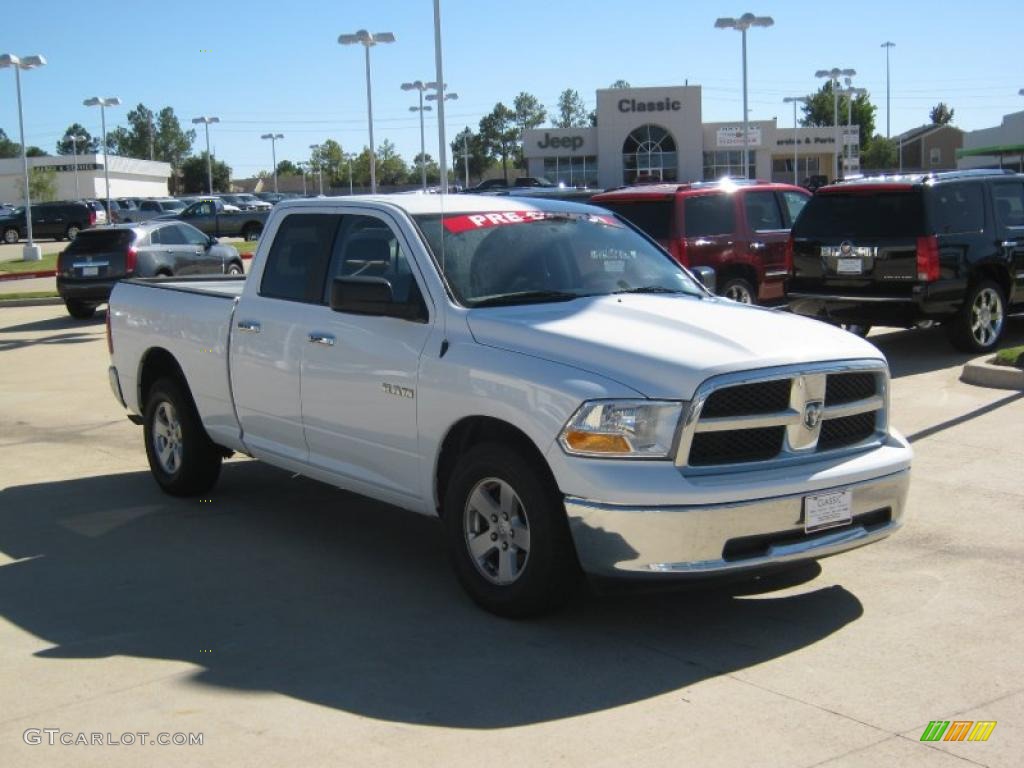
(738, 228)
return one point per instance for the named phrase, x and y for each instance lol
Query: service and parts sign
(468, 222)
(730, 138)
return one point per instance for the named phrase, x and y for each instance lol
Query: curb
(28, 275)
(40, 302)
(982, 373)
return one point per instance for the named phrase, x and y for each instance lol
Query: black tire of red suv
(857, 329)
(739, 290)
(978, 325)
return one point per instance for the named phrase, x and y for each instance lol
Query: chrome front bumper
(620, 541)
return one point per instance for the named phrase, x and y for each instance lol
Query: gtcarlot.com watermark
(56, 736)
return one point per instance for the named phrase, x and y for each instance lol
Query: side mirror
(372, 296)
(706, 276)
(212, 240)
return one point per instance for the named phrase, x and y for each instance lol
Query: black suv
(58, 220)
(907, 251)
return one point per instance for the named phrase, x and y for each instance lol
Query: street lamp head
(272, 136)
(21, 62)
(888, 44)
(367, 39)
(206, 120)
(447, 96)
(795, 100)
(96, 101)
(1020, 92)
(744, 22)
(415, 85)
(835, 73)
(432, 86)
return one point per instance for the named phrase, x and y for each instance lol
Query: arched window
(649, 154)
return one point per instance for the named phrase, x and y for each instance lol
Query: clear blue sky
(276, 66)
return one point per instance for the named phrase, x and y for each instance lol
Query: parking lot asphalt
(294, 624)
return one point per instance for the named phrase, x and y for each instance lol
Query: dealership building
(129, 177)
(656, 134)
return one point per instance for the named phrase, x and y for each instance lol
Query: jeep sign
(566, 142)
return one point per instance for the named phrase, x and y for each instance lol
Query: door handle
(1010, 243)
(757, 245)
(322, 338)
(249, 326)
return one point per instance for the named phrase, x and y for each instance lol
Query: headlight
(642, 429)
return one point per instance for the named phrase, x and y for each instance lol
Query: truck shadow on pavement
(285, 585)
(65, 323)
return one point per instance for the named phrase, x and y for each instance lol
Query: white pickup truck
(539, 374)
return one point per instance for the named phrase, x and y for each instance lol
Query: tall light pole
(319, 165)
(419, 87)
(367, 40)
(743, 23)
(348, 157)
(442, 149)
(75, 138)
(110, 101)
(833, 76)
(440, 123)
(794, 100)
(465, 155)
(888, 93)
(273, 151)
(849, 92)
(209, 158)
(302, 170)
(31, 251)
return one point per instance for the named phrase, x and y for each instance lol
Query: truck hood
(663, 346)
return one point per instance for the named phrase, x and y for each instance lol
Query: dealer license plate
(827, 510)
(849, 266)
(90, 271)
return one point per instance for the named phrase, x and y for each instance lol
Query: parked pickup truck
(540, 375)
(211, 216)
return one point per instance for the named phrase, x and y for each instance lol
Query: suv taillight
(131, 258)
(92, 218)
(677, 247)
(928, 259)
(110, 338)
(789, 255)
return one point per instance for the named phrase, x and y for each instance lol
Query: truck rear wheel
(740, 290)
(507, 533)
(251, 232)
(183, 459)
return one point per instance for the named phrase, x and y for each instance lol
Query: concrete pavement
(294, 624)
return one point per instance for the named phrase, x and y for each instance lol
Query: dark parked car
(905, 251)
(739, 229)
(88, 268)
(59, 220)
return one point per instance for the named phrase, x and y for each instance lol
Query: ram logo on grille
(813, 411)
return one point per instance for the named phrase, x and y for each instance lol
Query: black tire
(234, 268)
(547, 571)
(163, 273)
(739, 290)
(857, 329)
(968, 330)
(81, 310)
(251, 232)
(11, 235)
(72, 231)
(196, 461)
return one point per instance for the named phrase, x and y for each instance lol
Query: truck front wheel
(507, 533)
(181, 456)
(251, 232)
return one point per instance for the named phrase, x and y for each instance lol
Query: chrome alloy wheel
(739, 292)
(986, 316)
(497, 531)
(167, 443)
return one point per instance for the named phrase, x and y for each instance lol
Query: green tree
(478, 160)
(941, 114)
(193, 174)
(35, 152)
(529, 113)
(173, 144)
(818, 111)
(500, 135)
(287, 168)
(85, 147)
(433, 170)
(620, 84)
(8, 148)
(880, 154)
(331, 156)
(391, 168)
(42, 184)
(571, 111)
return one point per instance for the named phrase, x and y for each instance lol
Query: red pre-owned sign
(471, 221)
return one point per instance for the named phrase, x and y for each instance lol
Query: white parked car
(539, 374)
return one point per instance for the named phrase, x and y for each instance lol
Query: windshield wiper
(655, 289)
(525, 297)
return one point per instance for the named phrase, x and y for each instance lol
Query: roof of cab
(442, 204)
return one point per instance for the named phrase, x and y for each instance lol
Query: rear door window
(763, 214)
(171, 235)
(792, 204)
(863, 214)
(957, 208)
(709, 215)
(298, 258)
(653, 217)
(1009, 204)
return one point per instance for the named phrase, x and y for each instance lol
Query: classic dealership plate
(827, 510)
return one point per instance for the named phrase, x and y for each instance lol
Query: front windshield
(512, 257)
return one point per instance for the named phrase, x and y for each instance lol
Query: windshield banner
(471, 221)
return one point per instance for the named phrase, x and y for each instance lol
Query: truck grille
(759, 417)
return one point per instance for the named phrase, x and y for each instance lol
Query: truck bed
(221, 286)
